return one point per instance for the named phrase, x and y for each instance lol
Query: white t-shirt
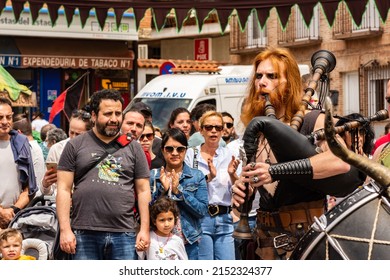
(54, 155)
(10, 186)
(164, 248)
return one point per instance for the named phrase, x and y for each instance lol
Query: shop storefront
(48, 59)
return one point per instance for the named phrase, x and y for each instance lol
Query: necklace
(267, 149)
(161, 245)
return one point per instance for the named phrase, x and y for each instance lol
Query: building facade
(50, 58)
(362, 52)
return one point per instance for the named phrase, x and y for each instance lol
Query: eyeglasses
(148, 136)
(210, 127)
(387, 99)
(270, 76)
(229, 125)
(170, 149)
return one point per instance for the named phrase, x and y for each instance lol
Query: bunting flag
(70, 99)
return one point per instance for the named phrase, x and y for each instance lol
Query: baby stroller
(39, 225)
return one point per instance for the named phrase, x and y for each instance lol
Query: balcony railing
(345, 28)
(297, 33)
(252, 39)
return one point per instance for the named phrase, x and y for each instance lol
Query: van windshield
(162, 108)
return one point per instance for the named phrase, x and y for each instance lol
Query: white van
(226, 90)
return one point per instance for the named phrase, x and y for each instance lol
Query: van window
(208, 101)
(162, 108)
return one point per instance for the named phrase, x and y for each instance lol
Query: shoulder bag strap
(195, 163)
(121, 141)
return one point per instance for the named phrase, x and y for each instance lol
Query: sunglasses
(84, 115)
(387, 99)
(229, 124)
(270, 76)
(170, 149)
(148, 136)
(210, 127)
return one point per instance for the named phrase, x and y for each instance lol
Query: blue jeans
(192, 250)
(217, 242)
(99, 245)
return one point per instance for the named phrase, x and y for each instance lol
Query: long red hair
(282, 60)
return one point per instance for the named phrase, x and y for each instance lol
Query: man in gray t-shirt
(102, 222)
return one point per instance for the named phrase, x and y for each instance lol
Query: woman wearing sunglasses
(219, 167)
(185, 185)
(146, 141)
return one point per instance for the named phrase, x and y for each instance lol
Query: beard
(275, 98)
(103, 129)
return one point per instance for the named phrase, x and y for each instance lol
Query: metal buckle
(284, 241)
(213, 210)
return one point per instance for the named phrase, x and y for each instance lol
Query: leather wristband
(298, 168)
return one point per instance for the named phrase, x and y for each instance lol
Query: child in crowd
(164, 245)
(11, 245)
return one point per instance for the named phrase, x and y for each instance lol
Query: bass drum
(357, 228)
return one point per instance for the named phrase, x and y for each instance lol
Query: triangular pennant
(243, 15)
(69, 12)
(17, 8)
(307, 12)
(284, 13)
(201, 15)
(357, 9)
(2, 5)
(118, 16)
(160, 16)
(181, 15)
(101, 15)
(223, 18)
(383, 8)
(53, 13)
(34, 11)
(330, 9)
(262, 15)
(84, 15)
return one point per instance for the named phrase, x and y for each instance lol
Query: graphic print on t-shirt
(109, 168)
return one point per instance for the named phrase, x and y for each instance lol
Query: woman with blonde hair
(219, 167)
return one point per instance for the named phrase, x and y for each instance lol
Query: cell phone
(50, 165)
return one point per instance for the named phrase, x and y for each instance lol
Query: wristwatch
(16, 209)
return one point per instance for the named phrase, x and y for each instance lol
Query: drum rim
(303, 253)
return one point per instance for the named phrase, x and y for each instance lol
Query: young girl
(164, 245)
(11, 245)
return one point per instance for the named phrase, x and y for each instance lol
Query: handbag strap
(120, 142)
(195, 163)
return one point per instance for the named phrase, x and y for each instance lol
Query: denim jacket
(192, 199)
